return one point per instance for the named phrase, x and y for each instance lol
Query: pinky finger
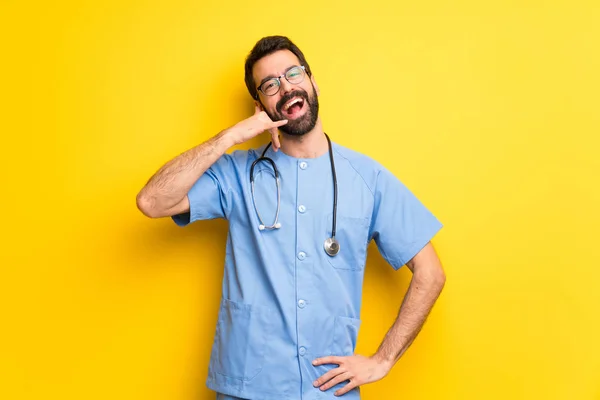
(275, 138)
(346, 389)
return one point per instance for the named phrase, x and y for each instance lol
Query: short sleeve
(210, 197)
(401, 225)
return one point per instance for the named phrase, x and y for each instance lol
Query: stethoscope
(331, 245)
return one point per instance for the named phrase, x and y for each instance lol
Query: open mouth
(294, 108)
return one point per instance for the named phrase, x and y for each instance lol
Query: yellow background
(487, 111)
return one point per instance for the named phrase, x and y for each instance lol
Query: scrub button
(301, 255)
(301, 303)
(302, 209)
(303, 165)
(302, 351)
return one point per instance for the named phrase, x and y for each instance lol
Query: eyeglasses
(293, 75)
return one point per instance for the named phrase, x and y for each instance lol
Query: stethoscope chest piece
(332, 246)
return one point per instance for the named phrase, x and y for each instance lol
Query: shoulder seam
(358, 173)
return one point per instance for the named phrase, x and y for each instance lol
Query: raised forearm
(424, 289)
(171, 183)
(166, 191)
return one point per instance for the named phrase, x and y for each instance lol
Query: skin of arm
(165, 194)
(425, 287)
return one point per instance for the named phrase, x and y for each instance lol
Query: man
(290, 310)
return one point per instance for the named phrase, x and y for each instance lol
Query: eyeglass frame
(278, 79)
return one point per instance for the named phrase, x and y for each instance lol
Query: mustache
(291, 95)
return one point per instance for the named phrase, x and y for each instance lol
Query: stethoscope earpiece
(331, 245)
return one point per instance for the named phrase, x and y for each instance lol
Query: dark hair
(264, 47)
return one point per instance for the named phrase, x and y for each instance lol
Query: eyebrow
(275, 76)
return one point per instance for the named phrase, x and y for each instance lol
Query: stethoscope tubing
(331, 244)
(262, 225)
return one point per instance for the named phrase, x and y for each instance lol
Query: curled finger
(351, 385)
(338, 379)
(325, 378)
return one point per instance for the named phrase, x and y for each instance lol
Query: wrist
(228, 137)
(383, 361)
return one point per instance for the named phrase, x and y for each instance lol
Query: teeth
(291, 103)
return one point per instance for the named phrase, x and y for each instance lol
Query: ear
(314, 82)
(258, 104)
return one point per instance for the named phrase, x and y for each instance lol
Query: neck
(312, 144)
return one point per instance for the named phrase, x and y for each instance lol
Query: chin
(300, 130)
(300, 126)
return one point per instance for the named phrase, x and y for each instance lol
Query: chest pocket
(352, 233)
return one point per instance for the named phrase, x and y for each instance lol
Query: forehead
(274, 64)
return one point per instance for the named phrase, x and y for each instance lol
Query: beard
(300, 125)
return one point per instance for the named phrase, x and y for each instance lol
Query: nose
(286, 87)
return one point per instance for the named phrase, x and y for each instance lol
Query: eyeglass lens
(293, 75)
